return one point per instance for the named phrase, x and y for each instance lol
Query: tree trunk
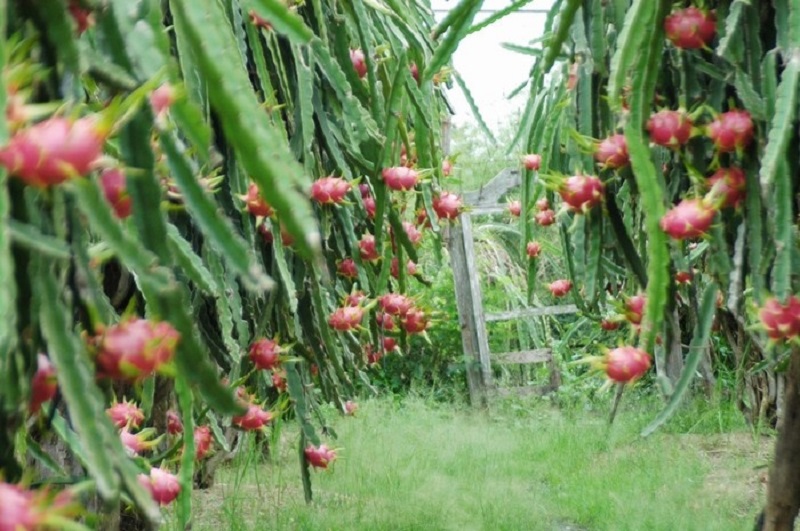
(783, 489)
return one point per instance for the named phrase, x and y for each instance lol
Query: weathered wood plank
(531, 312)
(491, 192)
(477, 299)
(466, 318)
(539, 355)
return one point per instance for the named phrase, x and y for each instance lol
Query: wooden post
(466, 316)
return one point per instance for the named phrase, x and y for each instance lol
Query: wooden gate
(469, 301)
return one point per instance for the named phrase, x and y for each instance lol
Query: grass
(410, 465)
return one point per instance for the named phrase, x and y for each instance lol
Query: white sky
(490, 71)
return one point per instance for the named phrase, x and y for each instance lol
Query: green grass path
(411, 466)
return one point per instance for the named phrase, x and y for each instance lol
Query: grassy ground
(412, 466)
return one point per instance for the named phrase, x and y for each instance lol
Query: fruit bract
(163, 486)
(135, 349)
(395, 303)
(731, 131)
(625, 364)
(366, 248)
(124, 414)
(781, 321)
(265, 354)
(532, 161)
(612, 152)
(560, 287)
(347, 268)
(690, 218)
(582, 192)
(729, 183)
(670, 129)
(52, 151)
(447, 205)
(202, 442)
(634, 308)
(346, 318)
(533, 249)
(254, 419)
(256, 204)
(545, 217)
(330, 190)
(359, 62)
(400, 178)
(319, 456)
(44, 383)
(690, 28)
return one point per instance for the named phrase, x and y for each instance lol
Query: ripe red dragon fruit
(533, 249)
(395, 303)
(690, 28)
(28, 510)
(162, 98)
(609, 325)
(729, 183)
(52, 151)
(690, 218)
(364, 189)
(447, 168)
(373, 355)
(359, 62)
(613, 152)
(634, 308)
(532, 161)
(560, 287)
(266, 233)
(83, 17)
(411, 268)
(389, 344)
(415, 321)
(545, 217)
(286, 239)
(279, 380)
(367, 249)
(355, 298)
(202, 442)
(447, 205)
(413, 233)
(670, 129)
(414, 71)
(626, 364)
(422, 218)
(134, 349)
(265, 354)
(400, 178)
(582, 192)
(330, 190)
(259, 22)
(125, 414)
(256, 204)
(138, 443)
(385, 320)
(254, 419)
(731, 131)
(114, 186)
(346, 318)
(347, 268)
(781, 321)
(18, 511)
(44, 383)
(320, 456)
(542, 204)
(350, 408)
(683, 277)
(174, 424)
(515, 208)
(163, 486)
(370, 206)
